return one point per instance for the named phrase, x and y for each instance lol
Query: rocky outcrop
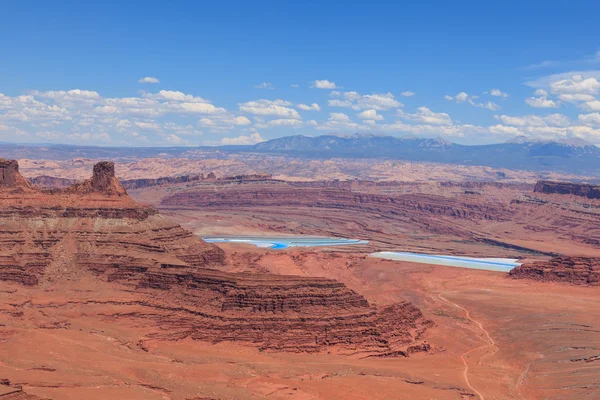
(575, 189)
(574, 270)
(103, 181)
(94, 232)
(10, 176)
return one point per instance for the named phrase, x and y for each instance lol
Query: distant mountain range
(570, 155)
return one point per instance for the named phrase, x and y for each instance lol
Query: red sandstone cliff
(94, 230)
(575, 270)
(10, 176)
(576, 189)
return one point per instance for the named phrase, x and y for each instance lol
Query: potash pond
(491, 264)
(283, 242)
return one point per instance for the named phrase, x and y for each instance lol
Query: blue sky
(232, 72)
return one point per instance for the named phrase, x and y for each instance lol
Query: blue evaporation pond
(490, 264)
(283, 242)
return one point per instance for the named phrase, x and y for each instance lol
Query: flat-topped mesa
(10, 176)
(103, 181)
(575, 189)
(574, 270)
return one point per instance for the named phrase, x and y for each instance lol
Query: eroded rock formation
(10, 176)
(93, 230)
(575, 270)
(576, 189)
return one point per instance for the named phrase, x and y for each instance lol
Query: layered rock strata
(93, 230)
(574, 270)
(575, 189)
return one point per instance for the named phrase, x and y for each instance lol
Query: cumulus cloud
(148, 79)
(504, 130)
(592, 119)
(84, 115)
(370, 115)
(542, 102)
(323, 84)
(425, 116)
(277, 108)
(577, 83)
(243, 139)
(306, 107)
(407, 93)
(357, 101)
(591, 105)
(498, 93)
(264, 85)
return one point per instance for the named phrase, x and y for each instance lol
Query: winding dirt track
(462, 357)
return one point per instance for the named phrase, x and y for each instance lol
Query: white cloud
(504, 130)
(575, 98)
(556, 120)
(425, 116)
(312, 107)
(276, 108)
(200, 108)
(592, 119)
(148, 79)
(577, 83)
(264, 85)
(243, 140)
(463, 97)
(175, 140)
(370, 114)
(295, 85)
(150, 125)
(498, 93)
(591, 105)
(407, 93)
(339, 117)
(357, 101)
(294, 123)
(241, 120)
(541, 102)
(323, 84)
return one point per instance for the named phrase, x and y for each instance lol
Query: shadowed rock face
(576, 189)
(8, 172)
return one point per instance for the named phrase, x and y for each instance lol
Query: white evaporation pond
(491, 264)
(283, 242)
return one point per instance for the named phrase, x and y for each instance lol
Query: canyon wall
(574, 270)
(94, 231)
(576, 189)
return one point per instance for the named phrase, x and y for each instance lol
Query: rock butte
(94, 230)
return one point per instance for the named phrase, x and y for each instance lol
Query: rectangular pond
(490, 264)
(283, 242)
